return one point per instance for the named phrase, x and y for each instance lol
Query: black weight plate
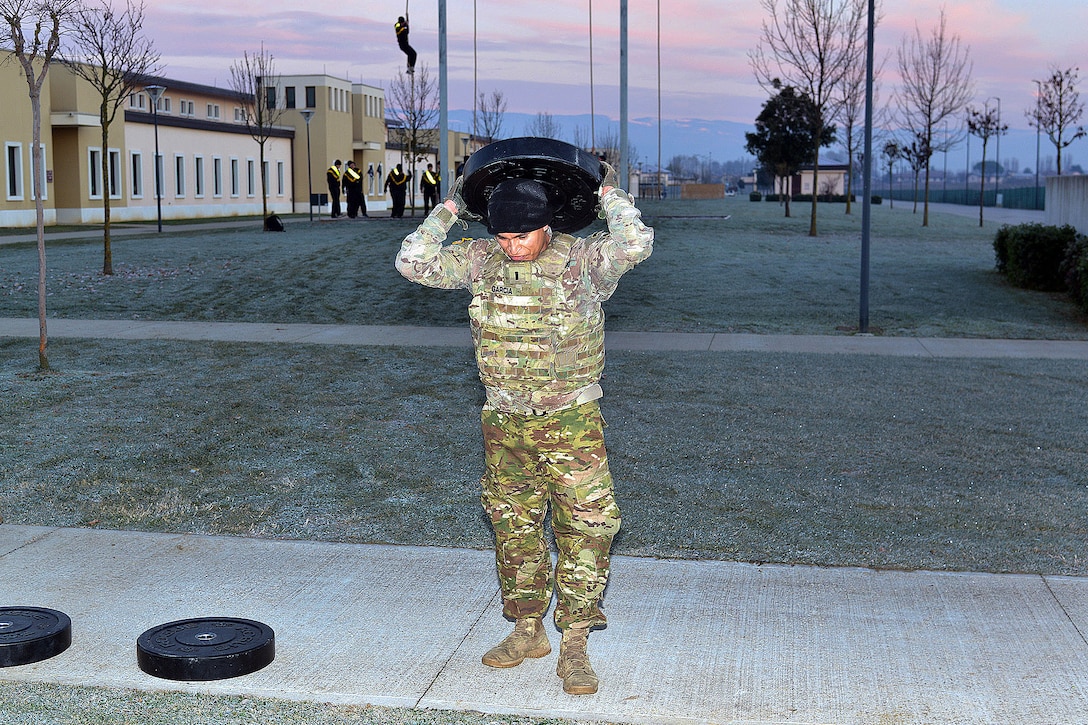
(570, 175)
(32, 634)
(205, 649)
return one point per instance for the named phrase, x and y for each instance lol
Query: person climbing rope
(401, 26)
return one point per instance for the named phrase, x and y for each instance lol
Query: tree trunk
(39, 210)
(107, 249)
(815, 186)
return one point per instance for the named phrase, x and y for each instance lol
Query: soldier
(332, 176)
(353, 190)
(428, 184)
(401, 29)
(396, 183)
(538, 330)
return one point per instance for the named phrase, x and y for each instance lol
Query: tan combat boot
(527, 640)
(578, 676)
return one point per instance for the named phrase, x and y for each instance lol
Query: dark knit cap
(516, 206)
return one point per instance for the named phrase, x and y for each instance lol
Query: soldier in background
(401, 29)
(332, 176)
(428, 184)
(538, 331)
(396, 183)
(353, 190)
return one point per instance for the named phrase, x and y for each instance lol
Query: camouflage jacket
(574, 275)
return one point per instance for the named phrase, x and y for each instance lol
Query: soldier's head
(518, 214)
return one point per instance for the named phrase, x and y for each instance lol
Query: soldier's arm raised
(424, 259)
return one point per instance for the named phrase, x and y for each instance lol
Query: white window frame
(14, 184)
(235, 177)
(114, 162)
(160, 177)
(94, 172)
(213, 111)
(251, 177)
(198, 177)
(217, 177)
(179, 176)
(281, 176)
(136, 174)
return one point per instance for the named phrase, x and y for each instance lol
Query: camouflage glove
(454, 195)
(609, 176)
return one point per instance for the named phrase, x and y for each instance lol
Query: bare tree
(492, 110)
(110, 52)
(415, 109)
(851, 118)
(986, 124)
(810, 45)
(935, 73)
(544, 126)
(254, 81)
(34, 29)
(1058, 109)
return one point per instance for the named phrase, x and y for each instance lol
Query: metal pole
(1038, 99)
(443, 102)
(155, 92)
(867, 169)
(997, 171)
(307, 114)
(625, 176)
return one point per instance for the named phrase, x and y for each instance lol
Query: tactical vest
(536, 337)
(352, 174)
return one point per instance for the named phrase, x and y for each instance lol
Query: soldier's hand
(456, 203)
(610, 181)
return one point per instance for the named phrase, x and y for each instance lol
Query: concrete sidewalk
(687, 641)
(402, 335)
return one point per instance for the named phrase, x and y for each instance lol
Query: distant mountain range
(724, 141)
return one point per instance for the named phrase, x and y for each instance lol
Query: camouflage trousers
(557, 461)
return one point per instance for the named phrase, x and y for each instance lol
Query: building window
(235, 181)
(217, 177)
(251, 177)
(160, 178)
(311, 96)
(115, 174)
(213, 111)
(198, 181)
(137, 174)
(280, 178)
(94, 172)
(289, 96)
(138, 101)
(14, 154)
(163, 105)
(179, 176)
(270, 97)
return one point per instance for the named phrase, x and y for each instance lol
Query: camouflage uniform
(538, 330)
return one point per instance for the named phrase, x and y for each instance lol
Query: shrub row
(1046, 258)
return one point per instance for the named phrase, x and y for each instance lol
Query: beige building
(208, 164)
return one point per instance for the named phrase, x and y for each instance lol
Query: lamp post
(155, 93)
(1038, 113)
(997, 170)
(307, 114)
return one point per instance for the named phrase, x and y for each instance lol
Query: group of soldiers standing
(350, 179)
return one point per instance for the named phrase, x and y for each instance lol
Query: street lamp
(155, 92)
(307, 114)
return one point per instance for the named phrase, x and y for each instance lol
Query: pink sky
(537, 54)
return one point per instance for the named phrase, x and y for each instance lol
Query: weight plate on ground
(32, 634)
(205, 649)
(570, 175)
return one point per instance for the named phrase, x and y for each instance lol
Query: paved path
(688, 641)
(399, 335)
